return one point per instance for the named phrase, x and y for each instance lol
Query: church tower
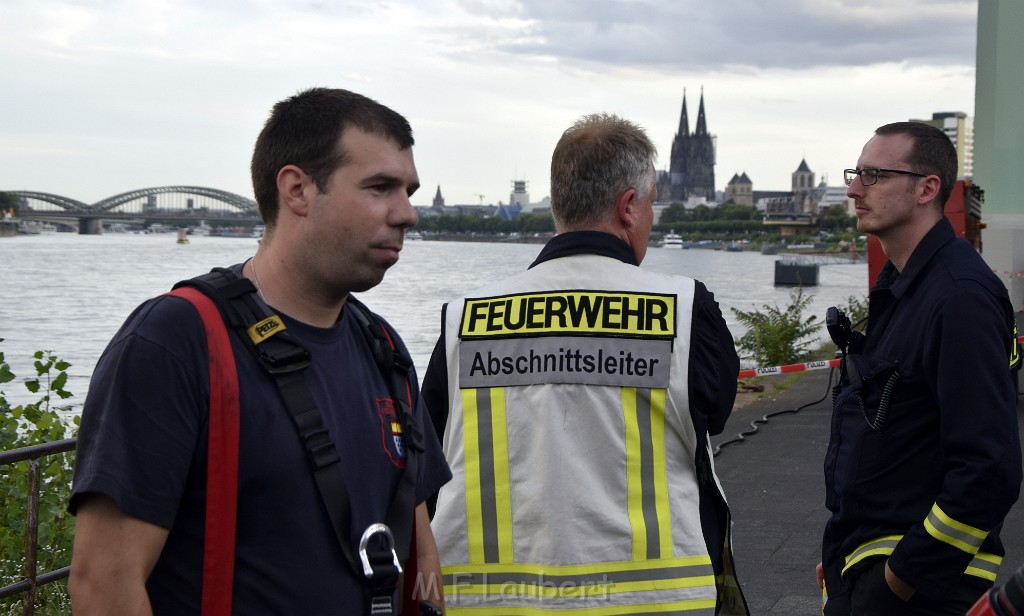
(700, 180)
(692, 164)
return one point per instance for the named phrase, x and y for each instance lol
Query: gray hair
(597, 159)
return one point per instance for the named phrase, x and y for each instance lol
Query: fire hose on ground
(787, 369)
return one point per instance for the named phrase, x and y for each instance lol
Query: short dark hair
(932, 153)
(305, 130)
(598, 158)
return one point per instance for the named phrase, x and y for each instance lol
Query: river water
(69, 293)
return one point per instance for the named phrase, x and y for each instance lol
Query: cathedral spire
(701, 128)
(684, 122)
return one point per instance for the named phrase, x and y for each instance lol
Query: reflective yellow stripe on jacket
(984, 565)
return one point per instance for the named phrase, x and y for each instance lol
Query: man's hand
(900, 588)
(821, 576)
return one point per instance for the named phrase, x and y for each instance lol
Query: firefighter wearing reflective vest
(575, 401)
(924, 458)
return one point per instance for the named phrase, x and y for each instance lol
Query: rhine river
(69, 293)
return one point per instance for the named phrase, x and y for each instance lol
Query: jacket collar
(586, 243)
(898, 282)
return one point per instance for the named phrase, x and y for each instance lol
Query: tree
(10, 201)
(673, 213)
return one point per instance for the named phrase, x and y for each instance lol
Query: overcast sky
(100, 97)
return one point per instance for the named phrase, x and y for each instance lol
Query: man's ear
(293, 189)
(625, 208)
(929, 189)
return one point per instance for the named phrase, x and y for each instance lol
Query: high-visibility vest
(572, 446)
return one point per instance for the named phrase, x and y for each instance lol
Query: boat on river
(672, 240)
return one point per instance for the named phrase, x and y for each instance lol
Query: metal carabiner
(371, 530)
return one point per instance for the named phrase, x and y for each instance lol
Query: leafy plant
(778, 336)
(856, 308)
(21, 426)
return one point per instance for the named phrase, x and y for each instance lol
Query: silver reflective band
(370, 531)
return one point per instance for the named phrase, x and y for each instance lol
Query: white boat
(672, 240)
(35, 227)
(202, 229)
(413, 235)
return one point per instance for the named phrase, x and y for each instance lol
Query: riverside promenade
(774, 482)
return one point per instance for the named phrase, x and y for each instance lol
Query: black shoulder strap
(285, 360)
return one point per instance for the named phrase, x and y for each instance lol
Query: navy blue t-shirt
(143, 443)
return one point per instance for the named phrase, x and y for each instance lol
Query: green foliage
(836, 219)
(21, 426)
(778, 336)
(10, 201)
(856, 308)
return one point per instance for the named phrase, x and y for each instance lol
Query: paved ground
(773, 480)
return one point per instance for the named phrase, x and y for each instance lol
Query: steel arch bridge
(70, 205)
(243, 205)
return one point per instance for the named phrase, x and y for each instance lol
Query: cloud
(106, 96)
(696, 35)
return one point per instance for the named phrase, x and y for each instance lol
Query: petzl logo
(392, 437)
(265, 329)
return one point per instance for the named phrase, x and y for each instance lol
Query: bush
(777, 337)
(22, 426)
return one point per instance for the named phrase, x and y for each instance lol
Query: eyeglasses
(869, 176)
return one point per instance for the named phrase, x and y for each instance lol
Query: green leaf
(59, 382)
(32, 386)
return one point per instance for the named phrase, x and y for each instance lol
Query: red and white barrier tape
(811, 365)
(1009, 274)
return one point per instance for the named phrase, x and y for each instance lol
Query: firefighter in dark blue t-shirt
(333, 172)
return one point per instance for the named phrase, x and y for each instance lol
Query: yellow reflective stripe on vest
(646, 477)
(513, 580)
(983, 565)
(957, 534)
(488, 500)
(696, 607)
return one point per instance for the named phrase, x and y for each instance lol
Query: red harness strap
(222, 459)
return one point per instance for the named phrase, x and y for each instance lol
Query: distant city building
(959, 127)
(519, 196)
(803, 178)
(519, 203)
(691, 175)
(740, 190)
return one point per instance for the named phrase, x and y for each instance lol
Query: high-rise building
(691, 176)
(959, 127)
(519, 196)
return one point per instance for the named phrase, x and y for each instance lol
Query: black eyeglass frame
(848, 174)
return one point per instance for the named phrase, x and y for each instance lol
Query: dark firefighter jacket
(929, 485)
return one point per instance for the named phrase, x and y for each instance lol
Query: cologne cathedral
(691, 175)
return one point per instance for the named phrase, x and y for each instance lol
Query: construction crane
(481, 198)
